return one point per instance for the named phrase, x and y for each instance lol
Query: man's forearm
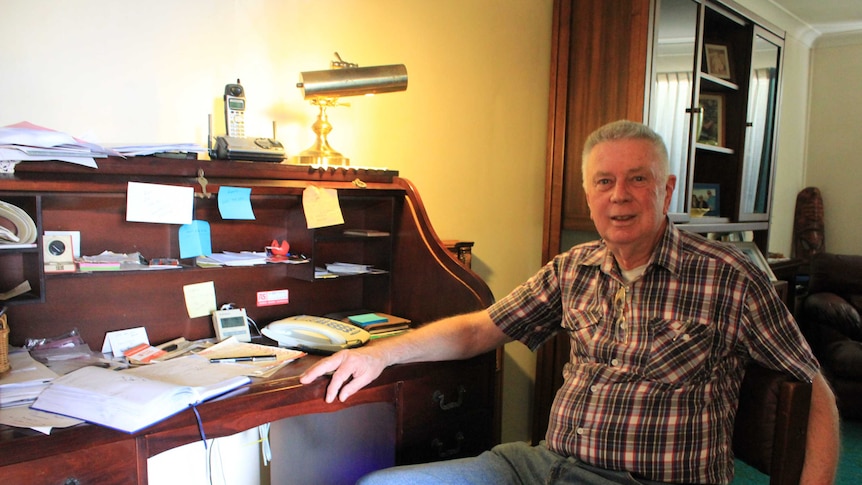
(823, 443)
(453, 338)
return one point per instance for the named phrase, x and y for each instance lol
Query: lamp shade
(353, 81)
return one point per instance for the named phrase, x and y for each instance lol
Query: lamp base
(321, 153)
(320, 159)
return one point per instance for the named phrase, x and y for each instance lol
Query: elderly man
(662, 325)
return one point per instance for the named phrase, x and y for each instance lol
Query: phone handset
(234, 109)
(315, 333)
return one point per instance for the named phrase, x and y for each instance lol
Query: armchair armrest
(832, 311)
(771, 424)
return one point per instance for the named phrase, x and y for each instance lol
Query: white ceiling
(826, 16)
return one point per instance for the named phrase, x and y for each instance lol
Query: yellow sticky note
(200, 299)
(321, 207)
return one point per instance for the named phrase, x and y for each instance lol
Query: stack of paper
(111, 261)
(227, 258)
(348, 268)
(28, 142)
(26, 379)
(139, 150)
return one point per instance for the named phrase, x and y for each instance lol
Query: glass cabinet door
(760, 128)
(674, 67)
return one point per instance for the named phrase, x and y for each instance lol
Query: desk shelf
(421, 282)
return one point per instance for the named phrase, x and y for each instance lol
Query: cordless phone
(234, 109)
(234, 145)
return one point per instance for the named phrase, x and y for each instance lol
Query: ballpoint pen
(250, 358)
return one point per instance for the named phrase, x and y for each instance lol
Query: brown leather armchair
(771, 424)
(830, 320)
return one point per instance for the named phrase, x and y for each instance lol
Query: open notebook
(124, 400)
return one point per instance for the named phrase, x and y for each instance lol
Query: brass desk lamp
(324, 88)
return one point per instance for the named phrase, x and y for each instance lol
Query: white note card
(165, 204)
(119, 341)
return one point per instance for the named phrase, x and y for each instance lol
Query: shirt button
(594, 388)
(615, 362)
(580, 431)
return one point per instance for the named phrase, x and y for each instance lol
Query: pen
(250, 358)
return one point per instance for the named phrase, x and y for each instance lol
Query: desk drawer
(449, 412)
(450, 388)
(467, 434)
(105, 464)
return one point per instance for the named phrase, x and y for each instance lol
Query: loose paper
(195, 239)
(24, 417)
(235, 203)
(166, 204)
(321, 207)
(200, 299)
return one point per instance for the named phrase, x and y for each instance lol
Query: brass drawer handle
(438, 445)
(439, 397)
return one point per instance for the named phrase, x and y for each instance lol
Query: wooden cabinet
(418, 279)
(646, 60)
(715, 86)
(598, 75)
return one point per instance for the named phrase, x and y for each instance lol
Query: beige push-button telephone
(310, 333)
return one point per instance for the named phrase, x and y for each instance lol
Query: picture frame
(753, 252)
(706, 196)
(717, 61)
(711, 119)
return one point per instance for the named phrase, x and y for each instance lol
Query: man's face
(627, 201)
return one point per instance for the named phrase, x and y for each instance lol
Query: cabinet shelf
(712, 83)
(714, 148)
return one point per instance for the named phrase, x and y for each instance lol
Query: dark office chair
(771, 424)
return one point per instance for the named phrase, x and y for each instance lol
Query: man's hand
(452, 338)
(351, 371)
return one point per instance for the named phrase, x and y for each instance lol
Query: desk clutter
(60, 382)
(127, 388)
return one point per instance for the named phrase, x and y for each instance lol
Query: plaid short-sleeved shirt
(653, 378)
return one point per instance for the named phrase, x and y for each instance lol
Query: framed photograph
(705, 200)
(711, 120)
(753, 252)
(717, 61)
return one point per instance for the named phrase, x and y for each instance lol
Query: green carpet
(849, 466)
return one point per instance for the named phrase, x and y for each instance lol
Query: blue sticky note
(235, 203)
(195, 239)
(367, 319)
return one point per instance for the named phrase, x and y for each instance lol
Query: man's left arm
(822, 445)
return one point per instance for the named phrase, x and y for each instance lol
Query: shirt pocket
(583, 329)
(680, 351)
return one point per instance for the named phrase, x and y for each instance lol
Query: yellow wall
(835, 146)
(469, 131)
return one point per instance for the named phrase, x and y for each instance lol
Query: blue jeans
(507, 464)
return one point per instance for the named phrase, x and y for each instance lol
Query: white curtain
(757, 148)
(673, 95)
